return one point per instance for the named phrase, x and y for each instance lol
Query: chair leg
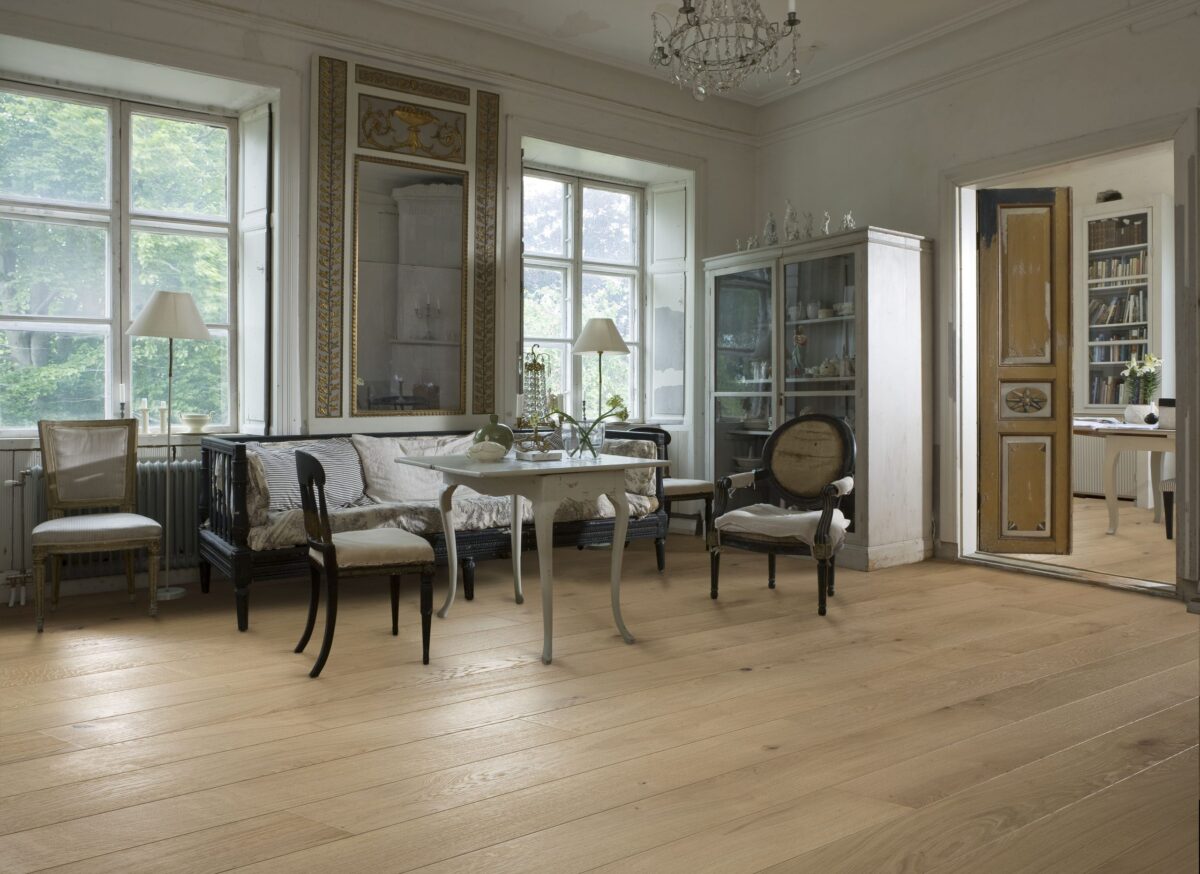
(129, 573)
(205, 576)
(708, 504)
(822, 585)
(468, 578)
(829, 579)
(660, 553)
(1169, 513)
(426, 612)
(395, 604)
(314, 599)
(331, 599)
(55, 578)
(152, 575)
(39, 589)
(770, 570)
(715, 567)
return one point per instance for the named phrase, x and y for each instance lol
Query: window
(582, 259)
(102, 202)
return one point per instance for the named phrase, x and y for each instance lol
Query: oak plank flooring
(941, 712)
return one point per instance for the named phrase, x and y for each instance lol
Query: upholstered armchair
(805, 472)
(91, 466)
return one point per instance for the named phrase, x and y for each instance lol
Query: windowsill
(30, 441)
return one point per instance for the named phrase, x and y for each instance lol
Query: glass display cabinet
(788, 329)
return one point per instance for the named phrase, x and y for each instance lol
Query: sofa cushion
(387, 480)
(641, 480)
(344, 486)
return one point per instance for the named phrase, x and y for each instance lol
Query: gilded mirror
(410, 288)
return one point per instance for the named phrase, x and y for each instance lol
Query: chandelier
(713, 46)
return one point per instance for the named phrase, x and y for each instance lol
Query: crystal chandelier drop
(713, 46)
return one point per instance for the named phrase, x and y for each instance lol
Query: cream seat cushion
(95, 528)
(375, 547)
(677, 486)
(769, 522)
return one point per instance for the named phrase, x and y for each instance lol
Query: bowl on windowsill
(194, 423)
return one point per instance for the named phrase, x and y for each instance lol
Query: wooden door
(1025, 370)
(1187, 369)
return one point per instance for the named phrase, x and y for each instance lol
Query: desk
(1118, 439)
(545, 484)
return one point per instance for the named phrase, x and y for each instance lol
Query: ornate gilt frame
(462, 328)
(331, 230)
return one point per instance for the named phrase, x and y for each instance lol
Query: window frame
(575, 267)
(118, 216)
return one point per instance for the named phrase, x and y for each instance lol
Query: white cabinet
(839, 324)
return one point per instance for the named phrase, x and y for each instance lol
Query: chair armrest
(830, 498)
(840, 487)
(727, 485)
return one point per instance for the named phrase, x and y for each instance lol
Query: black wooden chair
(681, 489)
(806, 470)
(373, 552)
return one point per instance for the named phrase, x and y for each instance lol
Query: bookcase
(1121, 266)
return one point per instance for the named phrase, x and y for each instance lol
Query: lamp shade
(600, 335)
(170, 314)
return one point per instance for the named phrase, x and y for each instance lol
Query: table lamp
(600, 336)
(170, 314)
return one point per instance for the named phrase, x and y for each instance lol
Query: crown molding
(220, 12)
(1150, 11)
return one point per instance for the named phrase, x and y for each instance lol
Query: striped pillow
(344, 485)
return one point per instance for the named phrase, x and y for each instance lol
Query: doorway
(1121, 293)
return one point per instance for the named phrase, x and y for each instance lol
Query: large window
(102, 202)
(582, 259)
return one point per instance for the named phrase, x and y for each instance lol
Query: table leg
(1111, 454)
(516, 548)
(620, 528)
(1156, 461)
(543, 524)
(447, 508)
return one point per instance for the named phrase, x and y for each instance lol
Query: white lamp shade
(600, 335)
(170, 314)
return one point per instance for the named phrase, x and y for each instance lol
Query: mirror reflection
(409, 288)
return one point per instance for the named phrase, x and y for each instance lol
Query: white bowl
(486, 450)
(194, 422)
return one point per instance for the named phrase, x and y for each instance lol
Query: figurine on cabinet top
(848, 221)
(770, 234)
(791, 224)
(809, 222)
(828, 219)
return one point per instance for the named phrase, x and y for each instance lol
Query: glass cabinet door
(743, 368)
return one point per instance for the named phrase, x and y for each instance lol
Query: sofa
(252, 528)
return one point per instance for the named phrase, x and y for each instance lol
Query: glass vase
(583, 440)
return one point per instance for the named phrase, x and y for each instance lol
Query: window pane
(545, 303)
(182, 262)
(179, 167)
(610, 297)
(608, 226)
(201, 375)
(545, 214)
(50, 373)
(618, 380)
(53, 149)
(49, 269)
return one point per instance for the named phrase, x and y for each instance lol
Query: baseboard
(879, 556)
(116, 583)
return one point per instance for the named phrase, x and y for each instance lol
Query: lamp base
(171, 593)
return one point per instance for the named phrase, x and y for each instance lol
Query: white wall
(272, 42)
(1067, 78)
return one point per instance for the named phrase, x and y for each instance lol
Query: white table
(1118, 439)
(545, 484)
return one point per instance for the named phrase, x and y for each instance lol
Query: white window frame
(575, 267)
(121, 220)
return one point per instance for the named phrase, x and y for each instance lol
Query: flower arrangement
(1142, 378)
(588, 437)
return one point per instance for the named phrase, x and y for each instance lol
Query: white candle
(791, 6)
(121, 393)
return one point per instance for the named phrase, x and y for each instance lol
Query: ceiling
(841, 35)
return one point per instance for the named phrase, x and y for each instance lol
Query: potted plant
(1142, 378)
(589, 435)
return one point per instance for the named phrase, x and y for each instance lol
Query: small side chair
(371, 553)
(681, 489)
(89, 466)
(806, 470)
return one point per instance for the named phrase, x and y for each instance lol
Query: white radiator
(1087, 468)
(151, 501)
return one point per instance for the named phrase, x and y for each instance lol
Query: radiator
(1087, 468)
(151, 501)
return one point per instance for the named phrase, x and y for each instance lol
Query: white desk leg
(516, 548)
(620, 528)
(543, 524)
(1156, 460)
(447, 508)
(1111, 453)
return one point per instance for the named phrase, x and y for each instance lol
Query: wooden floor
(1139, 550)
(942, 718)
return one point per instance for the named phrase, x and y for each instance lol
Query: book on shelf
(1105, 390)
(1119, 231)
(1117, 266)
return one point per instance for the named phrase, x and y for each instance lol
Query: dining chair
(679, 489)
(387, 552)
(91, 466)
(805, 472)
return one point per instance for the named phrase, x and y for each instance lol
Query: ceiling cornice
(1151, 11)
